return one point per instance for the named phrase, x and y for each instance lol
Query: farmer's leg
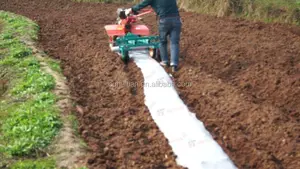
(163, 33)
(175, 37)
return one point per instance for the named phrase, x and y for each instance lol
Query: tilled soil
(114, 122)
(243, 83)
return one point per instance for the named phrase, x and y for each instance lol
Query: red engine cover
(119, 30)
(140, 30)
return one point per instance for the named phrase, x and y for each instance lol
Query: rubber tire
(125, 57)
(114, 40)
(155, 54)
(152, 52)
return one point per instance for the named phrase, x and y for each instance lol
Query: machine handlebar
(137, 15)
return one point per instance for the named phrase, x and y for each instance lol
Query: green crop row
(29, 118)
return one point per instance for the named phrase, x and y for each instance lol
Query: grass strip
(282, 11)
(34, 164)
(29, 118)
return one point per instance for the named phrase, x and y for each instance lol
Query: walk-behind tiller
(125, 36)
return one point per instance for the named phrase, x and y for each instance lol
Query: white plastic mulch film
(190, 141)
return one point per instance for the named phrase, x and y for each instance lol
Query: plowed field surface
(243, 83)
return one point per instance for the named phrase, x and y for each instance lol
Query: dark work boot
(174, 68)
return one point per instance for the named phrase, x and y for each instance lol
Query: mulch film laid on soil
(243, 84)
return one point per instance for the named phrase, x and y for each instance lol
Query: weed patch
(29, 118)
(33, 81)
(54, 65)
(286, 11)
(31, 126)
(34, 164)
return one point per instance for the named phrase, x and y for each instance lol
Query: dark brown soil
(244, 83)
(244, 76)
(115, 123)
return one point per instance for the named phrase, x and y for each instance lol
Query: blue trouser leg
(163, 33)
(170, 26)
(175, 37)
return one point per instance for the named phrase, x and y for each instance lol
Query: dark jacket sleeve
(141, 5)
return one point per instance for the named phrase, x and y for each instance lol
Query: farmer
(169, 24)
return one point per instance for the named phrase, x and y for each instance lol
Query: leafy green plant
(34, 81)
(54, 65)
(19, 50)
(34, 164)
(31, 126)
(29, 62)
(83, 168)
(7, 43)
(19, 26)
(29, 122)
(6, 36)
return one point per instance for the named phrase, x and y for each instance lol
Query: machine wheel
(125, 56)
(114, 38)
(154, 53)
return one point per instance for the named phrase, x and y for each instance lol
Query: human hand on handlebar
(128, 11)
